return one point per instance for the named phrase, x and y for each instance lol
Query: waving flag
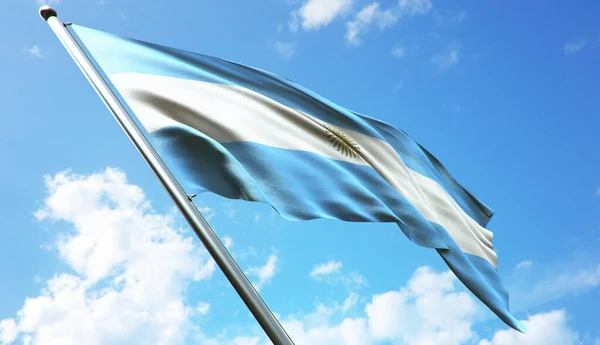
(247, 134)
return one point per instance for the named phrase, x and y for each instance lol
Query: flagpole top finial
(47, 12)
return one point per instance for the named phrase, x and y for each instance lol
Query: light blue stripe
(117, 54)
(328, 189)
(302, 185)
(483, 280)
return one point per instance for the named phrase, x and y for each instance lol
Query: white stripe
(230, 113)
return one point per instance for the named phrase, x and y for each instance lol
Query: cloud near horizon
(131, 269)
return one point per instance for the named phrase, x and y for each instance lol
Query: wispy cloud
(374, 15)
(398, 51)
(316, 14)
(229, 211)
(399, 85)
(445, 60)
(330, 272)
(415, 7)
(202, 308)
(36, 51)
(227, 242)
(458, 18)
(294, 22)
(451, 18)
(575, 46)
(264, 273)
(370, 15)
(567, 283)
(247, 253)
(206, 212)
(326, 268)
(536, 283)
(524, 264)
(287, 50)
(48, 2)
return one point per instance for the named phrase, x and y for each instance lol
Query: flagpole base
(47, 12)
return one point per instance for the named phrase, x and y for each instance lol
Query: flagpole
(215, 247)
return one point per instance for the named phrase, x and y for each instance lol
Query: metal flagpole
(217, 250)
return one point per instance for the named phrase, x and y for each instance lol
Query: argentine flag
(244, 133)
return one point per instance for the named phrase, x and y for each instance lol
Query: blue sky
(503, 93)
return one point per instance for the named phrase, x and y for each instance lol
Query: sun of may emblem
(342, 142)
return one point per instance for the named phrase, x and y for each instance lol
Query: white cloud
(533, 284)
(317, 328)
(428, 310)
(207, 212)
(315, 14)
(286, 50)
(202, 308)
(36, 51)
(542, 329)
(369, 15)
(398, 51)
(415, 7)
(458, 18)
(8, 331)
(446, 59)
(294, 22)
(524, 264)
(354, 280)
(264, 273)
(373, 14)
(228, 242)
(432, 308)
(326, 268)
(131, 265)
(349, 302)
(348, 332)
(451, 18)
(330, 272)
(568, 283)
(48, 2)
(399, 85)
(245, 341)
(249, 252)
(229, 211)
(574, 46)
